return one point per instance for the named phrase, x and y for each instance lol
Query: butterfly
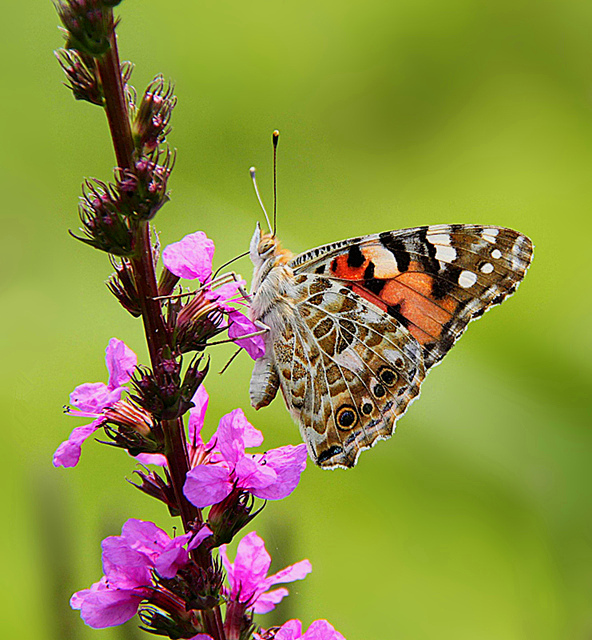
(354, 326)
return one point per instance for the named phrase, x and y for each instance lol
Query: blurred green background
(474, 521)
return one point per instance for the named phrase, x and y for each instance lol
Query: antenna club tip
(276, 133)
(252, 171)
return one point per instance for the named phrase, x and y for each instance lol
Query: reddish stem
(157, 337)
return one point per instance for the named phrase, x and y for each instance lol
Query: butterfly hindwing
(346, 369)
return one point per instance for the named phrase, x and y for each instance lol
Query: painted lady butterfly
(354, 326)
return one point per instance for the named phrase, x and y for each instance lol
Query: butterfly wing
(433, 280)
(346, 369)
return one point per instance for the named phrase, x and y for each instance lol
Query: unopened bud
(151, 123)
(83, 80)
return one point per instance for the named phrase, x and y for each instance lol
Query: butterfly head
(266, 247)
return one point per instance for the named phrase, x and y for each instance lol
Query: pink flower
(222, 464)
(318, 630)
(92, 398)
(191, 258)
(128, 563)
(249, 582)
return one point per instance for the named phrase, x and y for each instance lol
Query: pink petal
(296, 571)
(171, 560)
(199, 537)
(229, 566)
(207, 484)
(291, 630)
(191, 257)
(197, 416)
(121, 362)
(144, 535)
(253, 476)
(68, 453)
(128, 576)
(230, 436)
(266, 601)
(321, 630)
(201, 636)
(240, 325)
(252, 437)
(174, 556)
(139, 544)
(250, 566)
(111, 607)
(91, 398)
(225, 293)
(152, 458)
(288, 462)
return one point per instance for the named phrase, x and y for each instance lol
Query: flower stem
(109, 70)
(143, 267)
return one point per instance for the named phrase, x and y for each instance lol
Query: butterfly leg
(237, 278)
(264, 383)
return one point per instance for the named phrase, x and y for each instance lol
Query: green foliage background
(474, 521)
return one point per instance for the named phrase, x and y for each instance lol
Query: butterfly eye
(347, 417)
(265, 246)
(388, 376)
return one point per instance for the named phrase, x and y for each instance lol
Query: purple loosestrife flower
(222, 464)
(191, 258)
(129, 561)
(292, 630)
(92, 398)
(248, 579)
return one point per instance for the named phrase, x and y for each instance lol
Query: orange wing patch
(406, 296)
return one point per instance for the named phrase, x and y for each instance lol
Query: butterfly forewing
(434, 280)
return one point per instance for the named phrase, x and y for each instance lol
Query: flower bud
(164, 624)
(160, 391)
(167, 282)
(123, 287)
(143, 191)
(104, 226)
(228, 517)
(150, 125)
(201, 588)
(89, 25)
(133, 428)
(80, 70)
(154, 485)
(193, 378)
(198, 321)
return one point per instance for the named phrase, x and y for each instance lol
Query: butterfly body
(354, 326)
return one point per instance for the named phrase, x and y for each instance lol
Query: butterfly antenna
(275, 137)
(252, 172)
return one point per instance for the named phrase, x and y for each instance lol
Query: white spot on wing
(490, 235)
(517, 262)
(439, 238)
(487, 268)
(496, 254)
(445, 253)
(467, 279)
